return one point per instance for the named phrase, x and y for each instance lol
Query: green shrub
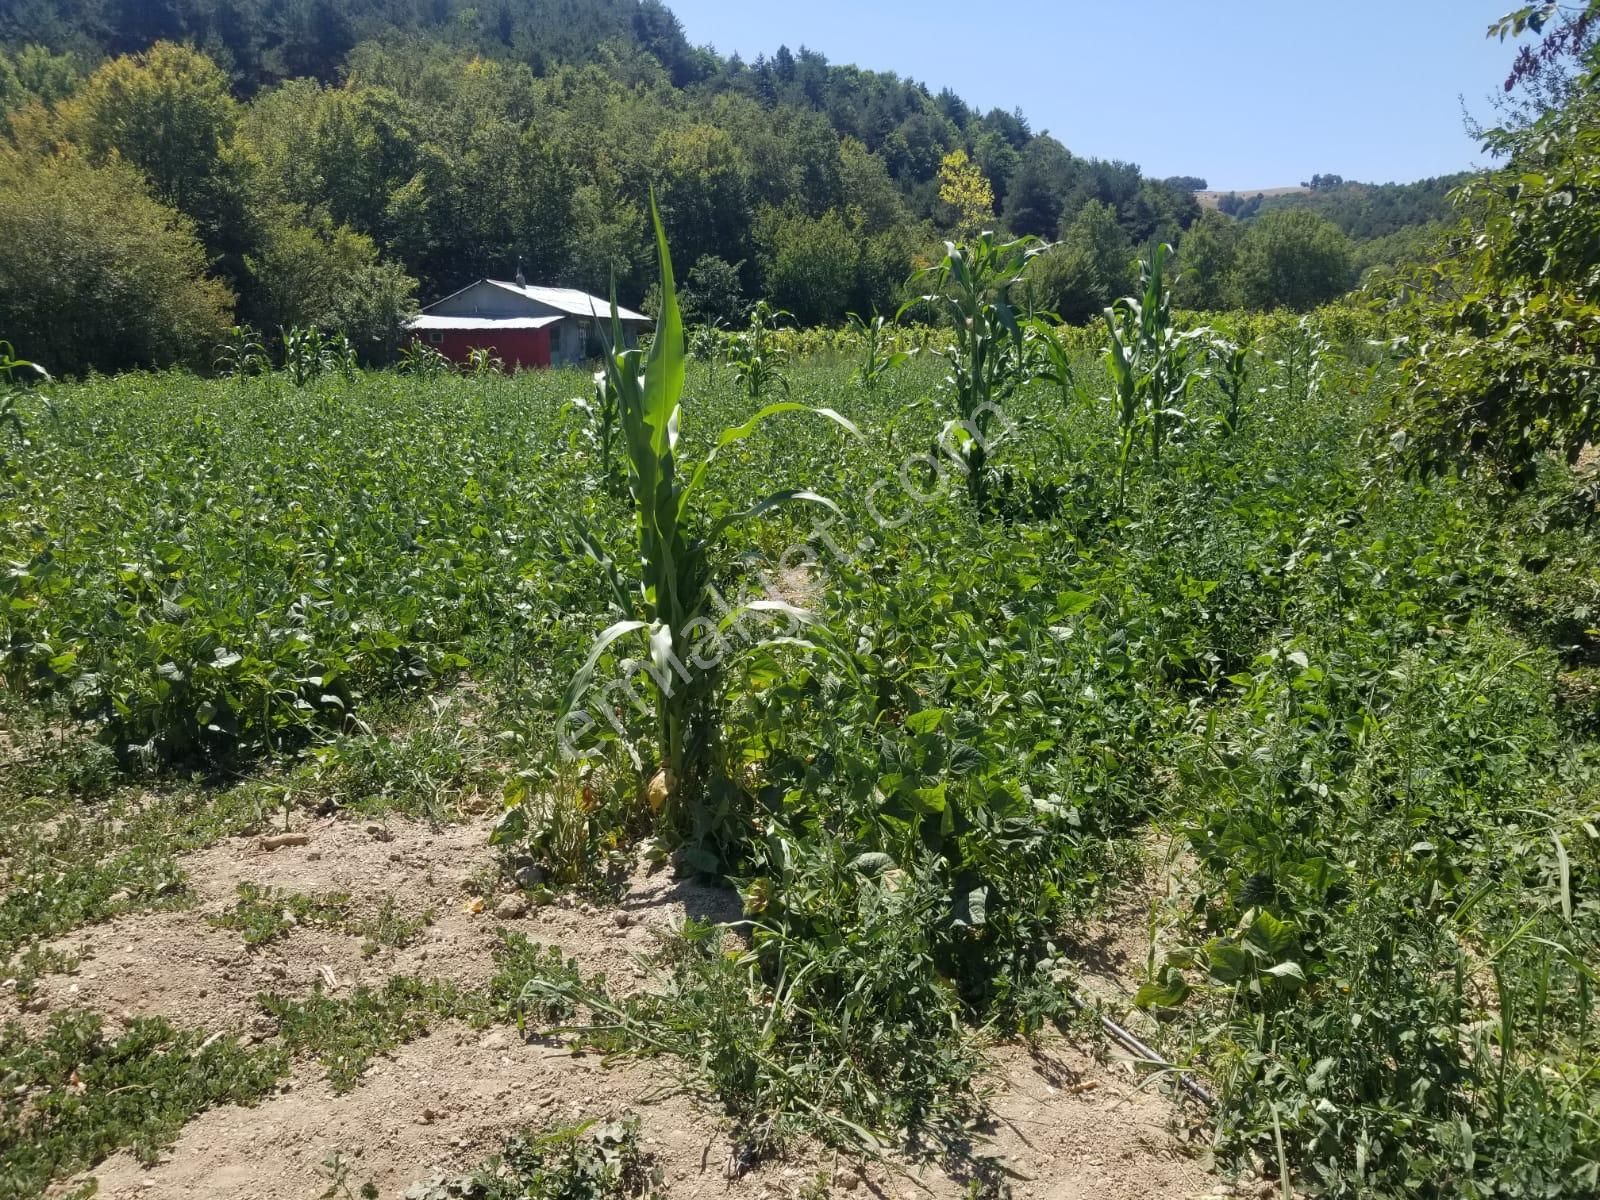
(94, 272)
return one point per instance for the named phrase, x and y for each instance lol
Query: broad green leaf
(1167, 991)
(585, 675)
(1226, 960)
(1272, 935)
(1074, 603)
(873, 864)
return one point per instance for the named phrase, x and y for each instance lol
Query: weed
(387, 928)
(83, 869)
(824, 1047)
(571, 832)
(336, 1170)
(533, 983)
(429, 768)
(346, 1034)
(587, 1161)
(264, 915)
(72, 1097)
(22, 972)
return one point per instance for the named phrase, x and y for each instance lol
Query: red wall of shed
(514, 347)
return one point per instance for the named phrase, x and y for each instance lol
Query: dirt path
(1064, 1125)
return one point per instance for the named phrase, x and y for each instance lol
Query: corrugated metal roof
(570, 300)
(462, 323)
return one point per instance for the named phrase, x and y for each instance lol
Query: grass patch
(347, 1033)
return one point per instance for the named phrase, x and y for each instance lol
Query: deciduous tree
(96, 272)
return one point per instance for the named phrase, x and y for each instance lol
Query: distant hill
(1365, 211)
(1213, 198)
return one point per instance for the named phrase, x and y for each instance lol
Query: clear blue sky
(1246, 95)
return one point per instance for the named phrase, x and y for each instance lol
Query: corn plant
(305, 354)
(668, 604)
(599, 429)
(877, 359)
(422, 360)
(1298, 353)
(483, 361)
(19, 379)
(1048, 359)
(706, 342)
(757, 359)
(972, 286)
(242, 354)
(1230, 371)
(339, 352)
(1149, 363)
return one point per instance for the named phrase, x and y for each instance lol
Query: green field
(1349, 712)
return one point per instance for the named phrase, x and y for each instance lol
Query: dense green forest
(332, 164)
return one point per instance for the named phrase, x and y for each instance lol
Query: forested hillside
(332, 164)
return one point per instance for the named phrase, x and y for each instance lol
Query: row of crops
(1183, 605)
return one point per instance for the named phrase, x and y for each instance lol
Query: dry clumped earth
(1064, 1125)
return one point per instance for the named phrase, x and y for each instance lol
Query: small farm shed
(523, 326)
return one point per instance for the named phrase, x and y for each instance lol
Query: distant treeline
(1364, 211)
(313, 162)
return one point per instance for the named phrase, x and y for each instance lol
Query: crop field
(439, 785)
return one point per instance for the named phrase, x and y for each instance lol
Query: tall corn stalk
(19, 380)
(600, 428)
(757, 360)
(877, 359)
(972, 285)
(1148, 361)
(669, 604)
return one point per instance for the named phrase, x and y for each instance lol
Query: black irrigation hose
(1131, 1042)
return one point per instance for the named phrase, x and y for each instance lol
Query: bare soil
(1064, 1124)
